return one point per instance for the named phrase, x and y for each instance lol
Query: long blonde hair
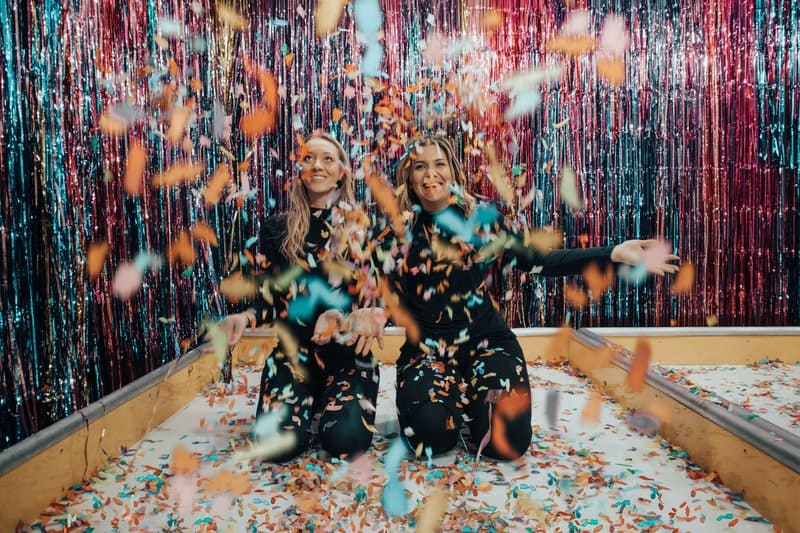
(299, 214)
(405, 167)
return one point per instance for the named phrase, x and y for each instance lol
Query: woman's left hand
(366, 325)
(654, 254)
(327, 327)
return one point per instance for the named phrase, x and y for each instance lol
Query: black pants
(436, 396)
(336, 382)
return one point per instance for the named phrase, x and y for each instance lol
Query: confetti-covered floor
(600, 477)
(770, 389)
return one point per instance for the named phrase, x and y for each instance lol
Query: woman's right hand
(234, 325)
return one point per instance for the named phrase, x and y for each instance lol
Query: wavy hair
(299, 214)
(406, 196)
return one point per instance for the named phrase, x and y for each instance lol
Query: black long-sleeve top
(312, 292)
(441, 274)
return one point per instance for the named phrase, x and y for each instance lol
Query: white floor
(770, 389)
(575, 478)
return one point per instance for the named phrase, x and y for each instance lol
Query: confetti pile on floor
(769, 389)
(575, 478)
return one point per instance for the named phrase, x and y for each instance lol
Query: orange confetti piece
(308, 503)
(544, 241)
(225, 481)
(385, 197)
(337, 114)
(181, 249)
(492, 19)
(598, 282)
(575, 297)
(229, 16)
(432, 512)
(178, 174)
(183, 461)
(591, 412)
(177, 124)
(370, 427)
(712, 321)
(558, 347)
(612, 70)
(327, 16)
(287, 59)
(400, 315)
(204, 233)
(684, 281)
(113, 126)
(571, 45)
(222, 178)
(639, 365)
(257, 123)
(134, 169)
(236, 287)
(96, 256)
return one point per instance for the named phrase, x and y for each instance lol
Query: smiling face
(431, 176)
(321, 170)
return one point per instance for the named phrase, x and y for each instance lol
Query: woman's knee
(344, 440)
(431, 424)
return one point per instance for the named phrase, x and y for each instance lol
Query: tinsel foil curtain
(699, 146)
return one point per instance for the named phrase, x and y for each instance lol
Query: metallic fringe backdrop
(699, 146)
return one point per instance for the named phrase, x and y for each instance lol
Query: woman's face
(430, 177)
(321, 170)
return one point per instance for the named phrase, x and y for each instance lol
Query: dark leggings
(435, 398)
(336, 379)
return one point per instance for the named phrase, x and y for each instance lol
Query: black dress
(466, 349)
(338, 383)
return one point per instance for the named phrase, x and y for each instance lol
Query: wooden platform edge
(41, 469)
(766, 483)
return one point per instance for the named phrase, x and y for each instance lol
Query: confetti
(204, 233)
(614, 37)
(573, 46)
(498, 176)
(432, 512)
(398, 314)
(179, 174)
(543, 240)
(182, 461)
(577, 23)
(558, 348)
(225, 481)
(551, 407)
(575, 297)
(127, 280)
(237, 287)
(258, 122)
(386, 199)
(327, 16)
(181, 250)
(177, 125)
(598, 282)
(568, 189)
(230, 17)
(134, 169)
(221, 179)
(639, 366)
(592, 410)
(113, 126)
(492, 19)
(684, 281)
(611, 70)
(96, 257)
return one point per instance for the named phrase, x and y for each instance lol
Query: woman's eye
(307, 159)
(440, 164)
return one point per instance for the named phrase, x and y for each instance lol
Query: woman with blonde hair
(300, 377)
(467, 365)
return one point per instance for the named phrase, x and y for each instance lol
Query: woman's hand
(328, 326)
(234, 325)
(654, 254)
(366, 325)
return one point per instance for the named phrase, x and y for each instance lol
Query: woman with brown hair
(300, 377)
(467, 365)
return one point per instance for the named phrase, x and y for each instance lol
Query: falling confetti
(640, 364)
(134, 169)
(96, 257)
(432, 512)
(685, 280)
(569, 189)
(327, 16)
